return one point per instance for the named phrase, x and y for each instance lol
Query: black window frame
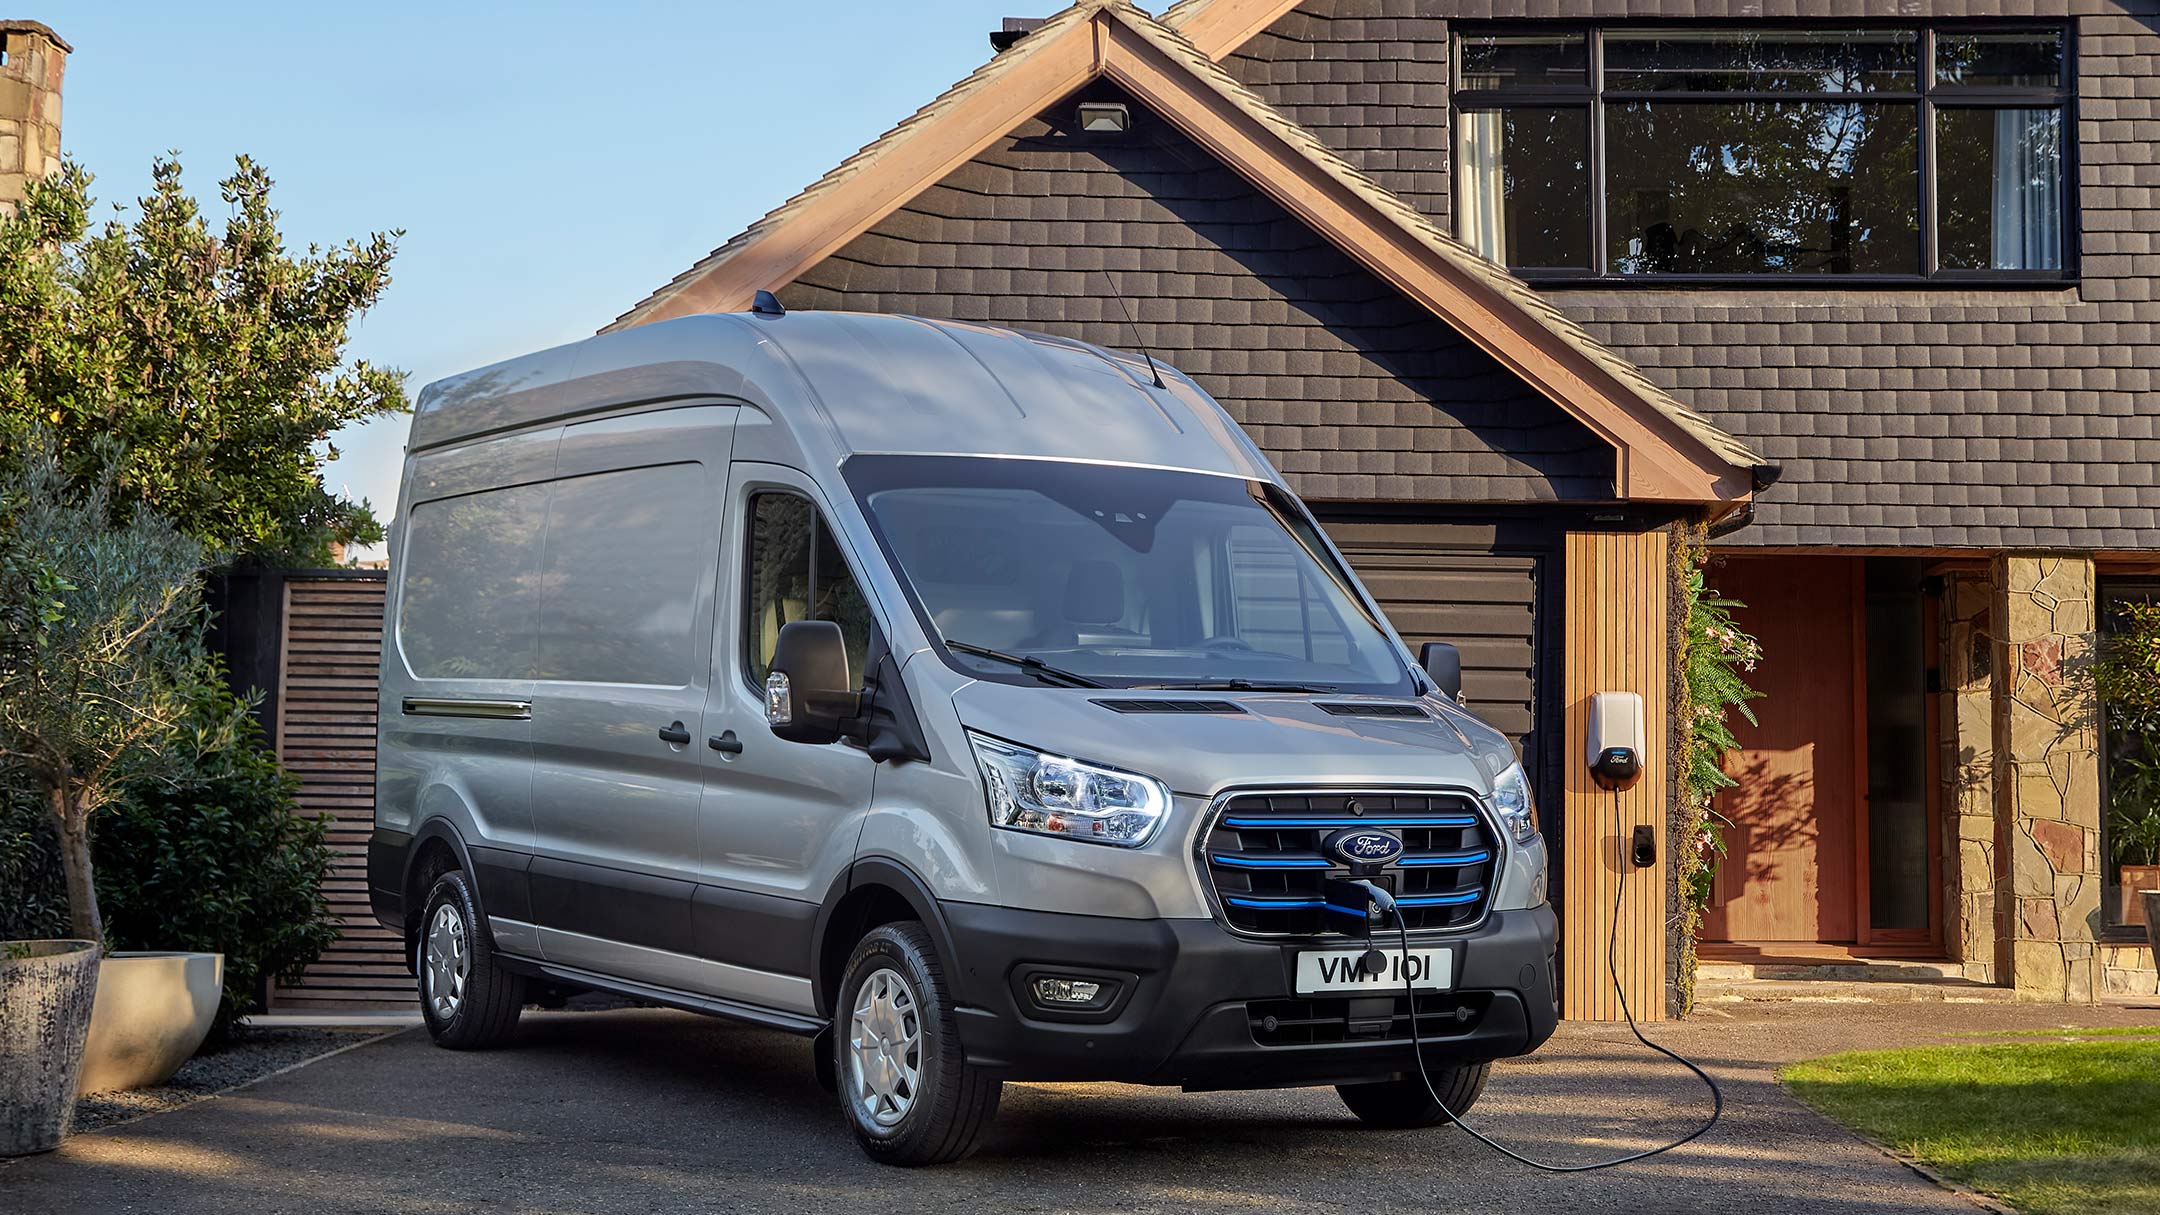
(1927, 97)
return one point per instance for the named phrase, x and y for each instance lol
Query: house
(1515, 300)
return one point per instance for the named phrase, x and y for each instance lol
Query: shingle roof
(1530, 312)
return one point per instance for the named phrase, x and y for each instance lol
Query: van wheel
(468, 1001)
(1404, 1104)
(905, 1085)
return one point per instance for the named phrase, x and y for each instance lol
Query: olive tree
(100, 650)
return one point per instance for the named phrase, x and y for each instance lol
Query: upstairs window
(1692, 154)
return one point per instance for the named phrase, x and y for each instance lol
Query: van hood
(1272, 738)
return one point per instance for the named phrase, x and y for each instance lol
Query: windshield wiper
(1237, 685)
(1033, 666)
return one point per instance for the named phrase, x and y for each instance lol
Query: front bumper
(1204, 1009)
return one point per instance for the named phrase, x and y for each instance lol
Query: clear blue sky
(549, 163)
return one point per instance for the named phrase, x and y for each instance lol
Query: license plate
(1321, 971)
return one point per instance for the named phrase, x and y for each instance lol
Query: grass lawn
(2048, 1126)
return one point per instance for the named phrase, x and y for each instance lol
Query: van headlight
(1511, 801)
(1032, 790)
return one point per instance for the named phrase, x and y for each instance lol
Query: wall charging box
(1617, 744)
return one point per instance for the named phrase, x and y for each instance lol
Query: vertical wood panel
(325, 734)
(1616, 642)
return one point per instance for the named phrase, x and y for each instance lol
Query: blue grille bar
(1271, 862)
(1427, 820)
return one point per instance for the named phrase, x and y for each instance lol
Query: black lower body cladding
(1198, 1007)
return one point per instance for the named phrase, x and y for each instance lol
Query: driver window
(796, 572)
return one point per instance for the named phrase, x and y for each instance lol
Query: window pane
(797, 573)
(1524, 61)
(1999, 189)
(626, 554)
(1784, 61)
(2024, 59)
(1276, 608)
(470, 588)
(1523, 197)
(1762, 187)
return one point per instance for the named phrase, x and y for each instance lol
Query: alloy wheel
(448, 961)
(885, 1047)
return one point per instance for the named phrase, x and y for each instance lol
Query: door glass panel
(626, 554)
(1523, 186)
(1999, 174)
(1898, 890)
(1769, 61)
(1792, 187)
(797, 572)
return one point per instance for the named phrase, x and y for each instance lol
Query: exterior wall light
(1104, 116)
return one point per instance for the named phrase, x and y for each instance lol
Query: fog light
(1071, 993)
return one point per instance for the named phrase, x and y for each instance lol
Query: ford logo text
(1360, 846)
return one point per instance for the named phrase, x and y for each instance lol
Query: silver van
(978, 702)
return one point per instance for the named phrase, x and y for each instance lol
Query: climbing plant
(1715, 656)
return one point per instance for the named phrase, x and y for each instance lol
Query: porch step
(1841, 981)
(1856, 970)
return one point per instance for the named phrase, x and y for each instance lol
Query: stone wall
(32, 61)
(1967, 714)
(2047, 772)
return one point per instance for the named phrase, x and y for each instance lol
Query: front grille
(1321, 1020)
(1263, 856)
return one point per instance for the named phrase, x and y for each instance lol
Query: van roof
(850, 382)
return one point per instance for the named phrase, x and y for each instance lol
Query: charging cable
(1386, 902)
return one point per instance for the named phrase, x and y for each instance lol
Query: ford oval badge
(1362, 846)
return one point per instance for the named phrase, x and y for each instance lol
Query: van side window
(626, 554)
(471, 587)
(797, 572)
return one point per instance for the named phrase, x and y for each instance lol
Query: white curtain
(1481, 187)
(2028, 190)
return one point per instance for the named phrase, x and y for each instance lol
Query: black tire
(484, 1010)
(1406, 1104)
(952, 1103)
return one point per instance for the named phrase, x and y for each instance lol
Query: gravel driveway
(644, 1110)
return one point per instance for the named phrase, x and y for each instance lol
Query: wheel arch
(874, 890)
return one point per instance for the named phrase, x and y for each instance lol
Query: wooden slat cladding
(1617, 598)
(325, 731)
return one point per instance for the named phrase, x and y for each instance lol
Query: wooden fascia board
(1225, 25)
(1650, 452)
(822, 226)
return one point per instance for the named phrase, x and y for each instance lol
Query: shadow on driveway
(644, 1110)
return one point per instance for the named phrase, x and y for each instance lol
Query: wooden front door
(1789, 869)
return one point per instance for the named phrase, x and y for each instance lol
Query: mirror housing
(1443, 662)
(810, 696)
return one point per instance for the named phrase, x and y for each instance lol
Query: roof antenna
(1127, 309)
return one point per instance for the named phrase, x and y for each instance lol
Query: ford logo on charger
(1362, 846)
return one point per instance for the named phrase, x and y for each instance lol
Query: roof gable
(1663, 450)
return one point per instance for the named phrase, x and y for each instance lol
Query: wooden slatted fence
(330, 643)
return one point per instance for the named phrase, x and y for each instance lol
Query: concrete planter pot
(46, 991)
(153, 1011)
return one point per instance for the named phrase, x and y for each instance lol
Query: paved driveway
(643, 1110)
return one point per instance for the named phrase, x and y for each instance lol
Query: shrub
(219, 861)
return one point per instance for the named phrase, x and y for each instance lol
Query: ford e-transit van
(979, 702)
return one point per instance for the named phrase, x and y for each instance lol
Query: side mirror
(1443, 662)
(809, 695)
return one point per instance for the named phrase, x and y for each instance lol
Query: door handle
(726, 743)
(675, 734)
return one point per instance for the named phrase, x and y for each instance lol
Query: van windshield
(1058, 572)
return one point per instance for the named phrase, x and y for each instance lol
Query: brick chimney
(32, 61)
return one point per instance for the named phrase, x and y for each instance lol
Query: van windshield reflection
(1052, 571)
